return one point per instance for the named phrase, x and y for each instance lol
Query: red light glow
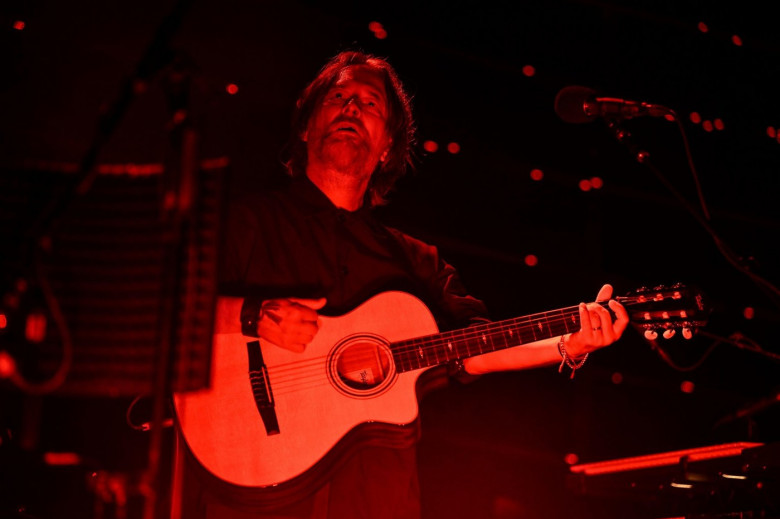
(749, 312)
(703, 27)
(232, 89)
(531, 260)
(529, 71)
(687, 387)
(596, 182)
(453, 147)
(571, 459)
(617, 378)
(695, 117)
(718, 123)
(378, 30)
(19, 25)
(431, 146)
(771, 132)
(61, 459)
(736, 40)
(585, 185)
(35, 328)
(663, 459)
(3, 321)
(707, 125)
(537, 174)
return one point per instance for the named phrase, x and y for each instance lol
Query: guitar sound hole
(363, 365)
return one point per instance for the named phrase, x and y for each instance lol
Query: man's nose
(351, 106)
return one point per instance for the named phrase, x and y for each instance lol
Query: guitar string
(301, 375)
(435, 340)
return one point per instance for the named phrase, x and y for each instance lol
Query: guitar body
(344, 384)
(286, 422)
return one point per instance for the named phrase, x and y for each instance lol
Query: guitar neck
(432, 350)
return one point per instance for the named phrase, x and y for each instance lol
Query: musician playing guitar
(312, 250)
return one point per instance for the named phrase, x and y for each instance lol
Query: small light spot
(3, 321)
(453, 147)
(571, 458)
(231, 89)
(585, 185)
(531, 260)
(695, 117)
(771, 132)
(749, 312)
(431, 146)
(375, 26)
(703, 27)
(529, 71)
(617, 378)
(718, 123)
(736, 40)
(687, 387)
(707, 125)
(19, 25)
(537, 174)
(596, 182)
(380, 35)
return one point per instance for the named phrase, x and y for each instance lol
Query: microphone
(579, 104)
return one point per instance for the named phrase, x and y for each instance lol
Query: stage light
(707, 125)
(431, 146)
(231, 89)
(718, 123)
(771, 132)
(571, 458)
(703, 27)
(617, 378)
(585, 185)
(3, 321)
(695, 117)
(736, 40)
(453, 148)
(687, 387)
(19, 25)
(596, 182)
(529, 71)
(749, 312)
(531, 260)
(537, 174)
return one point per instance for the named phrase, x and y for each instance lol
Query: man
(315, 248)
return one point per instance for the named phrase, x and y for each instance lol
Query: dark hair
(400, 124)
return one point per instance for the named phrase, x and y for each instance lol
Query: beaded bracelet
(567, 360)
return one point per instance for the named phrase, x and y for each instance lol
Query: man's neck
(344, 190)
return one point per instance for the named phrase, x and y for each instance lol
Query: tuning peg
(668, 334)
(687, 333)
(651, 335)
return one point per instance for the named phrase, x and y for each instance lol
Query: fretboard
(432, 350)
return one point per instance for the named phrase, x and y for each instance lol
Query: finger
(605, 293)
(586, 323)
(621, 320)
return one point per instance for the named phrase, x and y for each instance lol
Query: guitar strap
(261, 389)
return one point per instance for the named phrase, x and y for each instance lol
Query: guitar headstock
(665, 310)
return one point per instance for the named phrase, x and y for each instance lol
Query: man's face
(348, 129)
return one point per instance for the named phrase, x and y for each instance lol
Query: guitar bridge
(261, 388)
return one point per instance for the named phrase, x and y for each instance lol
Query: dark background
(496, 447)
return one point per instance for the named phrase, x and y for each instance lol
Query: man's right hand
(290, 323)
